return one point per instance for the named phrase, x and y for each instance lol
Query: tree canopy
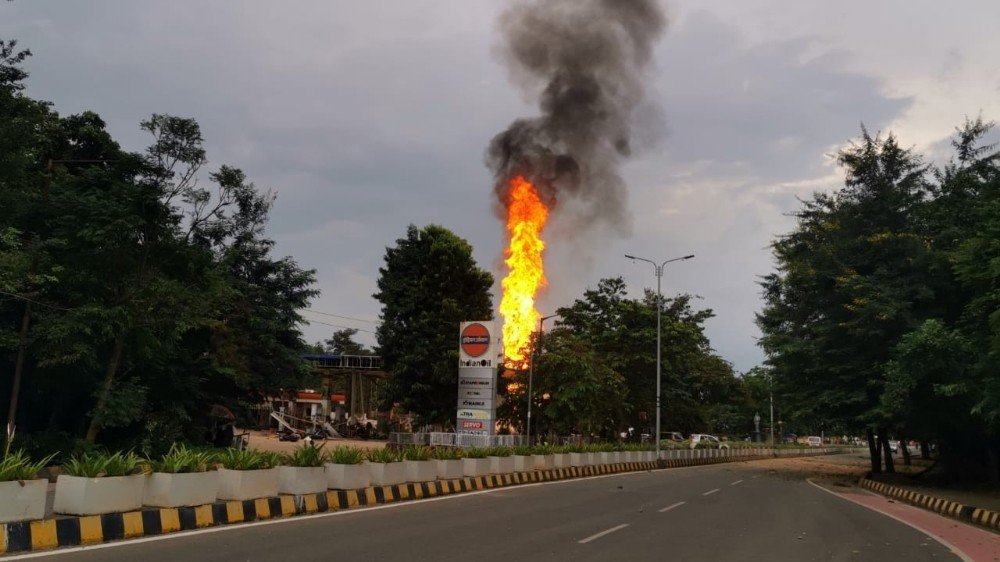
(134, 296)
(884, 311)
(427, 286)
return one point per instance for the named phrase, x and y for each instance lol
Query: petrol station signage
(480, 353)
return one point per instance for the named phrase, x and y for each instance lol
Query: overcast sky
(367, 116)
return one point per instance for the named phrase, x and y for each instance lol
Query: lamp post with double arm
(659, 305)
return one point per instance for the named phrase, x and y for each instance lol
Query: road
(721, 512)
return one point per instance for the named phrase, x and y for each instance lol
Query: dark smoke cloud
(585, 60)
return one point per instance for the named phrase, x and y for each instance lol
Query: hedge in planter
(501, 460)
(346, 469)
(182, 477)
(302, 471)
(247, 474)
(96, 482)
(448, 461)
(475, 461)
(22, 495)
(386, 467)
(418, 464)
(523, 461)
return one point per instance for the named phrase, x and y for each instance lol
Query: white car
(711, 441)
(814, 441)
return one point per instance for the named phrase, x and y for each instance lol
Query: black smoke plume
(585, 60)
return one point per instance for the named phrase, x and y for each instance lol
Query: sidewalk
(975, 543)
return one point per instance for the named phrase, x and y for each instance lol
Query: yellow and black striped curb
(45, 534)
(977, 515)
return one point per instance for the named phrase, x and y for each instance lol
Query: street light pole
(531, 369)
(770, 385)
(658, 268)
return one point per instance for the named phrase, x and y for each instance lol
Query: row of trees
(595, 371)
(133, 296)
(884, 312)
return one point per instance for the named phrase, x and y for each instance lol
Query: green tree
(851, 280)
(342, 342)
(697, 385)
(576, 391)
(428, 285)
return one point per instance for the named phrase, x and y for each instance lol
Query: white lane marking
(755, 476)
(602, 533)
(735, 483)
(946, 544)
(339, 513)
(669, 507)
(710, 492)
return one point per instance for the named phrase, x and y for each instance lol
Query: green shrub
(18, 466)
(523, 450)
(383, 455)
(446, 453)
(95, 464)
(306, 455)
(347, 455)
(248, 459)
(179, 459)
(500, 451)
(542, 450)
(416, 453)
(475, 452)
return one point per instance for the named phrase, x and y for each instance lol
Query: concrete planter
(22, 500)
(420, 471)
(523, 463)
(301, 480)
(560, 460)
(617, 457)
(347, 476)
(649, 456)
(247, 484)
(164, 489)
(79, 495)
(592, 459)
(387, 473)
(603, 457)
(449, 469)
(501, 465)
(475, 467)
(577, 459)
(543, 462)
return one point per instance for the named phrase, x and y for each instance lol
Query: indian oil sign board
(480, 352)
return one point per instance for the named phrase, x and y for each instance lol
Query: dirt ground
(846, 470)
(266, 441)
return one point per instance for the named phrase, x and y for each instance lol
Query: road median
(71, 531)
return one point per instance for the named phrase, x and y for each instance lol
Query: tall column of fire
(526, 216)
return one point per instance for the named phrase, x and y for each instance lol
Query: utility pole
(770, 385)
(658, 268)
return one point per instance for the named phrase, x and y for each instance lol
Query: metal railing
(442, 439)
(331, 361)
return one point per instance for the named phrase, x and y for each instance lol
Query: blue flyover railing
(339, 361)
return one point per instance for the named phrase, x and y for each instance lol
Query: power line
(16, 296)
(339, 316)
(339, 326)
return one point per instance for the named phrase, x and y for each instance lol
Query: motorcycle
(285, 434)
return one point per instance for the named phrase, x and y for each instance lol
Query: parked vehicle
(814, 441)
(709, 441)
(675, 436)
(894, 446)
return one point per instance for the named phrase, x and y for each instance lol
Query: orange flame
(526, 216)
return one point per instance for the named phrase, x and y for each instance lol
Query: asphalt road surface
(722, 512)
